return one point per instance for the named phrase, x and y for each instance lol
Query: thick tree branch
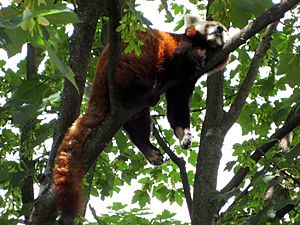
(181, 165)
(273, 14)
(286, 209)
(236, 107)
(208, 14)
(114, 14)
(211, 143)
(80, 47)
(261, 151)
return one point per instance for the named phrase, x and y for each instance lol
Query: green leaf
(17, 177)
(179, 24)
(178, 9)
(193, 158)
(57, 64)
(145, 198)
(63, 18)
(117, 206)
(31, 91)
(246, 119)
(121, 140)
(142, 197)
(179, 198)
(175, 176)
(136, 196)
(13, 78)
(47, 12)
(291, 157)
(4, 172)
(144, 180)
(161, 193)
(242, 11)
(12, 23)
(24, 114)
(14, 40)
(94, 191)
(229, 165)
(292, 73)
(165, 215)
(284, 63)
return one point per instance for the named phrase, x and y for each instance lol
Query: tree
(264, 187)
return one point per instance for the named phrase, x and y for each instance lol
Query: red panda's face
(213, 32)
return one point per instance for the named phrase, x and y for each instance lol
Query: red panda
(165, 56)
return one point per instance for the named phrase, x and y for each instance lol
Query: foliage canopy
(30, 105)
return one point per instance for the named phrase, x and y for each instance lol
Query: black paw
(186, 141)
(155, 157)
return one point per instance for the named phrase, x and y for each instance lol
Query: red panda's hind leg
(139, 131)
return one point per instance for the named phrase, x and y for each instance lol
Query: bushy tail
(69, 169)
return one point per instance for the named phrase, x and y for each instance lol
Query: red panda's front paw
(185, 137)
(186, 141)
(155, 157)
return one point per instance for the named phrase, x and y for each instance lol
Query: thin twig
(181, 165)
(93, 211)
(236, 107)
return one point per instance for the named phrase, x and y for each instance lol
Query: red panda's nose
(220, 29)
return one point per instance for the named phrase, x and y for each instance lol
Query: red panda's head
(213, 32)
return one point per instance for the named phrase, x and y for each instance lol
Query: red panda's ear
(191, 31)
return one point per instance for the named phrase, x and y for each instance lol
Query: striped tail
(69, 169)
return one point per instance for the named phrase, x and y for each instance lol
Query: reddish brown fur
(68, 170)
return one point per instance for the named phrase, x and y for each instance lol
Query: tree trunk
(212, 137)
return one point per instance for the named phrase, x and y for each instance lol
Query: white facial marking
(216, 34)
(210, 29)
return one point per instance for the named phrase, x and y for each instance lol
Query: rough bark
(209, 156)
(114, 13)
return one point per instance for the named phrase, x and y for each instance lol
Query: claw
(185, 137)
(186, 141)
